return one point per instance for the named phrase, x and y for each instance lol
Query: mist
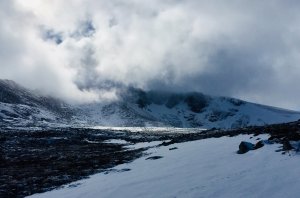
(86, 50)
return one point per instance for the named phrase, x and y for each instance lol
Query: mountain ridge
(136, 108)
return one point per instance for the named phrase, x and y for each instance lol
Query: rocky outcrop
(244, 147)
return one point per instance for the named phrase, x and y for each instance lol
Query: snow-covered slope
(139, 108)
(135, 108)
(203, 168)
(21, 107)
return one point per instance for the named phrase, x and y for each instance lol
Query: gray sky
(244, 49)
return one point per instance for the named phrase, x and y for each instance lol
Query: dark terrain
(34, 161)
(37, 161)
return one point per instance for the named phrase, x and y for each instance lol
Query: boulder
(259, 144)
(244, 147)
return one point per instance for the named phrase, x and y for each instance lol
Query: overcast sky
(244, 49)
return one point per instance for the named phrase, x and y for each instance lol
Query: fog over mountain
(80, 50)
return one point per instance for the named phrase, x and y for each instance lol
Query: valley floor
(202, 168)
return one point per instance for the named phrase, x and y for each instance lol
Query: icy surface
(203, 168)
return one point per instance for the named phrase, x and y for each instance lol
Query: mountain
(23, 108)
(135, 108)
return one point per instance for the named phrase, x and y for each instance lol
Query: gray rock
(244, 147)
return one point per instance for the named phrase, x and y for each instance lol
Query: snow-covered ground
(203, 168)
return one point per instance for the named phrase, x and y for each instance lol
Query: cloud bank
(77, 50)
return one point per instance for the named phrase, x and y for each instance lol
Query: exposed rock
(259, 144)
(244, 147)
(154, 157)
(286, 146)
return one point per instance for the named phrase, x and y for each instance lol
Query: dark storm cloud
(229, 71)
(245, 49)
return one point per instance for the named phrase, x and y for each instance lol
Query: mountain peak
(136, 107)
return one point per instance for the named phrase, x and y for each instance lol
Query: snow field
(203, 168)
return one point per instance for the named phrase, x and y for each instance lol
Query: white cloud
(248, 50)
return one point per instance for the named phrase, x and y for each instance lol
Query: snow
(130, 146)
(203, 168)
(24, 115)
(220, 112)
(116, 141)
(151, 129)
(217, 112)
(143, 145)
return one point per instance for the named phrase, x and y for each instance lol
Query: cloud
(85, 29)
(248, 50)
(51, 35)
